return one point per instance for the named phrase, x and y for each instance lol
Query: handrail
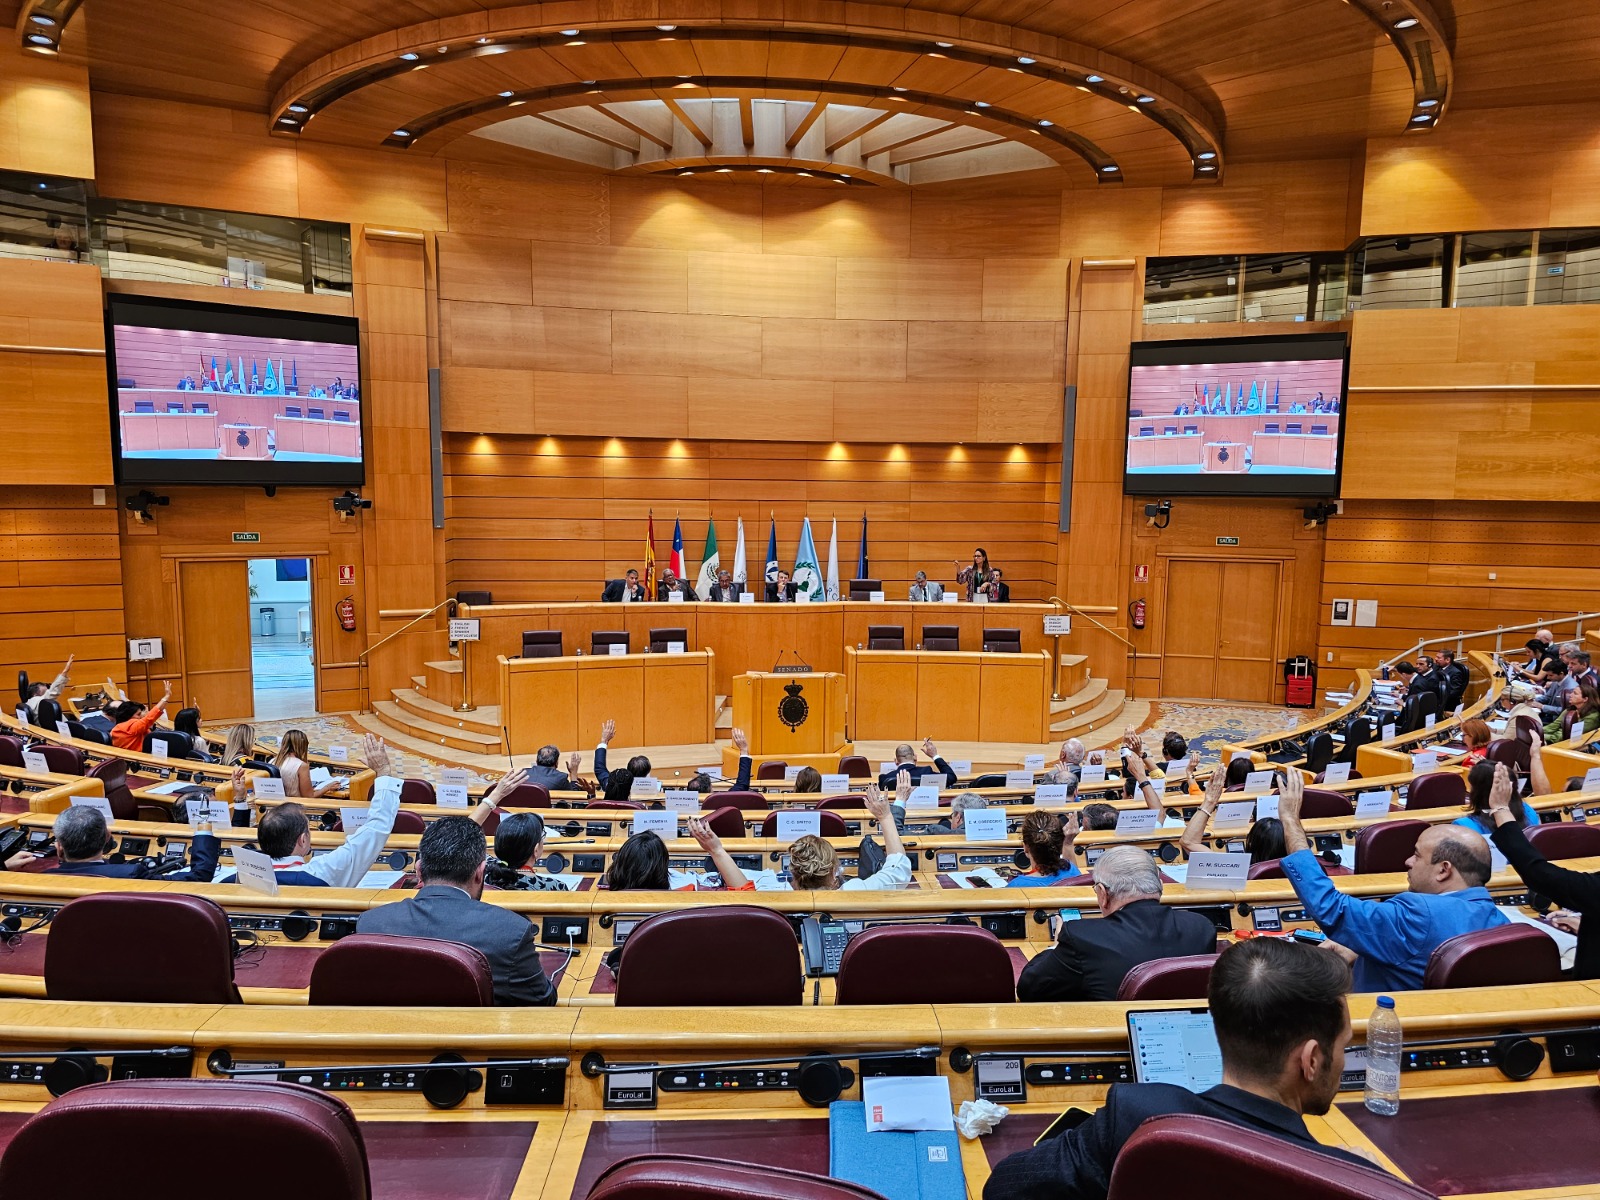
(1133, 675)
(1498, 632)
(362, 657)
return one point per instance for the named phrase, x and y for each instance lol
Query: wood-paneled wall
(1437, 568)
(44, 113)
(553, 518)
(60, 585)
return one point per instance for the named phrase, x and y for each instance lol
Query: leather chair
(1272, 868)
(1321, 776)
(1514, 753)
(527, 795)
(178, 745)
(988, 781)
(1527, 728)
(474, 597)
(140, 948)
(886, 637)
(772, 770)
(113, 776)
(664, 961)
(61, 760)
(727, 822)
(1565, 839)
(1505, 956)
(831, 825)
(848, 803)
(11, 751)
(1356, 735)
(379, 969)
(409, 822)
(315, 1132)
(660, 637)
(1319, 803)
(862, 589)
(1385, 846)
(601, 641)
(856, 766)
(633, 804)
(1183, 978)
(23, 687)
(1001, 641)
(743, 801)
(925, 964)
(1437, 789)
(686, 1177)
(1319, 752)
(1225, 1161)
(941, 637)
(542, 643)
(418, 791)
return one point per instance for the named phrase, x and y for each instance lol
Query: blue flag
(807, 574)
(772, 553)
(861, 557)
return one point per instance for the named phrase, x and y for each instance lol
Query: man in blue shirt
(1388, 942)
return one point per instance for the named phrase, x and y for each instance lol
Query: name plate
(99, 803)
(949, 598)
(836, 783)
(1238, 754)
(616, 648)
(464, 629)
(984, 824)
(353, 819)
(681, 802)
(923, 798)
(216, 813)
(791, 773)
(1429, 719)
(793, 825)
(961, 766)
(1137, 820)
(1424, 760)
(875, 597)
(1209, 869)
(160, 749)
(1374, 804)
(34, 761)
(1019, 779)
(1050, 793)
(1387, 732)
(664, 823)
(1266, 806)
(1257, 782)
(1092, 773)
(339, 753)
(1234, 814)
(63, 729)
(1058, 626)
(674, 597)
(747, 597)
(1034, 762)
(1591, 779)
(455, 776)
(267, 788)
(645, 785)
(254, 870)
(1336, 773)
(452, 795)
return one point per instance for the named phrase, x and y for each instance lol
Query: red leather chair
(1437, 789)
(1504, 956)
(1514, 753)
(527, 795)
(418, 791)
(1565, 839)
(1272, 868)
(772, 770)
(11, 752)
(1321, 777)
(831, 824)
(727, 822)
(1527, 728)
(665, 959)
(744, 801)
(140, 948)
(941, 637)
(685, 1177)
(313, 1131)
(1319, 803)
(1224, 1161)
(379, 969)
(925, 964)
(409, 822)
(60, 760)
(614, 804)
(853, 802)
(541, 643)
(1386, 845)
(856, 766)
(886, 637)
(1183, 978)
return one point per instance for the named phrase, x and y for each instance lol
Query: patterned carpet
(335, 730)
(1209, 727)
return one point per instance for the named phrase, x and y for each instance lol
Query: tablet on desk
(1175, 1046)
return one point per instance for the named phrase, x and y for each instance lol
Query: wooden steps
(444, 681)
(1105, 710)
(436, 731)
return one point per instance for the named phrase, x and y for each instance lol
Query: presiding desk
(655, 699)
(959, 695)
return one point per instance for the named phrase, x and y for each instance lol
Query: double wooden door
(1220, 630)
(214, 611)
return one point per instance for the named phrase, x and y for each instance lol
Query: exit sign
(1220, 541)
(256, 537)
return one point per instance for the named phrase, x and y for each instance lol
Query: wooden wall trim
(85, 351)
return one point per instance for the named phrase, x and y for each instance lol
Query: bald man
(1388, 942)
(1069, 767)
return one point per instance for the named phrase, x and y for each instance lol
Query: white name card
(747, 597)
(675, 647)
(645, 785)
(836, 783)
(160, 748)
(1034, 762)
(1058, 626)
(34, 761)
(961, 766)
(1092, 773)
(1336, 773)
(458, 776)
(267, 788)
(1266, 806)
(1374, 804)
(790, 773)
(1238, 754)
(99, 803)
(1387, 732)
(1175, 769)
(339, 753)
(950, 598)
(464, 629)
(1428, 720)
(923, 798)
(1137, 820)
(712, 773)
(674, 597)
(1234, 814)
(664, 823)
(1591, 779)
(1257, 782)
(1050, 793)
(616, 648)
(792, 825)
(253, 869)
(1424, 760)
(885, 767)
(682, 802)
(353, 819)
(1209, 869)
(217, 813)
(1019, 779)
(63, 729)
(452, 795)
(984, 824)
(875, 597)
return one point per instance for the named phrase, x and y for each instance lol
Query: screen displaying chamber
(1236, 416)
(1177, 1046)
(210, 393)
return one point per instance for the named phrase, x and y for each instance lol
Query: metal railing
(1554, 624)
(1087, 616)
(361, 659)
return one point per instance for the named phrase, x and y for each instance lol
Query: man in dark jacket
(628, 589)
(84, 843)
(905, 763)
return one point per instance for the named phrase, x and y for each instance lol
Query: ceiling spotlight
(943, 45)
(763, 170)
(42, 19)
(286, 121)
(43, 186)
(1406, 23)
(1208, 167)
(804, 174)
(1109, 169)
(1094, 78)
(41, 39)
(1027, 62)
(410, 56)
(1147, 99)
(299, 108)
(516, 104)
(1206, 155)
(666, 28)
(402, 133)
(506, 95)
(724, 170)
(1421, 118)
(577, 42)
(483, 41)
(899, 89)
(1047, 124)
(444, 49)
(1426, 103)
(571, 32)
(981, 103)
(972, 112)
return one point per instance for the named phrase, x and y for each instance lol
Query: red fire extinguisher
(1136, 611)
(346, 609)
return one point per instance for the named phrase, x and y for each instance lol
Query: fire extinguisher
(1136, 612)
(346, 609)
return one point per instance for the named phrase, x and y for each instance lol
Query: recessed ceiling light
(838, 179)
(898, 99)
(724, 170)
(43, 186)
(1047, 124)
(1147, 99)
(1426, 103)
(298, 108)
(46, 48)
(1208, 167)
(42, 19)
(443, 49)
(982, 103)
(899, 89)
(506, 95)
(943, 45)
(483, 41)
(1406, 22)
(1027, 62)
(684, 85)
(1094, 78)
(516, 104)
(402, 133)
(666, 28)
(410, 56)
(577, 42)
(804, 174)
(1109, 170)
(763, 170)
(571, 32)
(42, 39)
(286, 121)
(1206, 155)
(935, 54)
(1036, 132)
(1421, 118)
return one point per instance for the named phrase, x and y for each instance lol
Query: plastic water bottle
(1385, 1043)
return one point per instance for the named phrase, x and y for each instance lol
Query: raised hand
(1071, 826)
(1291, 794)
(608, 730)
(877, 805)
(740, 742)
(902, 788)
(376, 754)
(574, 761)
(506, 784)
(701, 832)
(929, 748)
(1500, 791)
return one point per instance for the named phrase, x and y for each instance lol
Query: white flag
(738, 556)
(807, 578)
(833, 562)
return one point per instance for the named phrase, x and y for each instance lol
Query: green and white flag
(710, 564)
(807, 575)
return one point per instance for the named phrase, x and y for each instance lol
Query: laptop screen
(1175, 1046)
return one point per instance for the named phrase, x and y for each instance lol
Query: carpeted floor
(1209, 727)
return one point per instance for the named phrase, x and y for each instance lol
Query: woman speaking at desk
(977, 576)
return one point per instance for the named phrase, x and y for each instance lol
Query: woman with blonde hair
(293, 769)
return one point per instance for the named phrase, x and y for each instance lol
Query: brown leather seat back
(886, 637)
(722, 957)
(1437, 789)
(941, 637)
(1565, 839)
(380, 969)
(140, 948)
(1505, 956)
(1385, 846)
(685, 1177)
(1186, 977)
(541, 643)
(925, 964)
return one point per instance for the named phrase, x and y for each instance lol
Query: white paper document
(907, 1102)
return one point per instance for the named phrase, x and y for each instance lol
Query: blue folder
(902, 1166)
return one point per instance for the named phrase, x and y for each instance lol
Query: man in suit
(638, 765)
(671, 583)
(781, 592)
(725, 590)
(627, 590)
(998, 591)
(83, 842)
(1090, 958)
(905, 763)
(1282, 1025)
(924, 590)
(1426, 679)
(1453, 677)
(447, 907)
(546, 770)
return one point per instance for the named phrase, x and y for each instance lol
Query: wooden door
(1189, 640)
(1246, 631)
(214, 619)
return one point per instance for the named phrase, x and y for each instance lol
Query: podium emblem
(793, 708)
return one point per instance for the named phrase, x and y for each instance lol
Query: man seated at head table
(725, 590)
(927, 590)
(670, 583)
(1090, 958)
(1282, 1025)
(284, 834)
(451, 859)
(906, 765)
(997, 590)
(627, 590)
(782, 591)
(83, 843)
(1388, 942)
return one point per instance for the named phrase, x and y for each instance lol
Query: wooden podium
(907, 695)
(791, 716)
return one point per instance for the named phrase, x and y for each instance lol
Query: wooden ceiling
(1240, 79)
